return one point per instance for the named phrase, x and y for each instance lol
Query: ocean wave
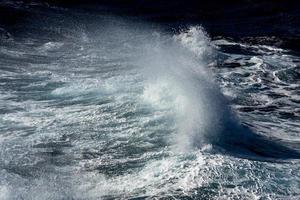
(119, 110)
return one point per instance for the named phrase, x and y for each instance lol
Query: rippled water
(99, 107)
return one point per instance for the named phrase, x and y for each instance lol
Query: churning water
(97, 107)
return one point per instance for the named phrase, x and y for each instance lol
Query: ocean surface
(97, 105)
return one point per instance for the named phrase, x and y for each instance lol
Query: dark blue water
(98, 105)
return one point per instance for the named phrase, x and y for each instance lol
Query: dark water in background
(152, 100)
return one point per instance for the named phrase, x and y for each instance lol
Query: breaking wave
(128, 110)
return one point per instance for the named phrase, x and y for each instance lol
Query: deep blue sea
(99, 105)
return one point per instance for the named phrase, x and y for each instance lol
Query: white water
(123, 111)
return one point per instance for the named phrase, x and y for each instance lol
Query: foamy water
(115, 109)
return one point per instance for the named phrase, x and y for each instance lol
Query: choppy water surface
(96, 107)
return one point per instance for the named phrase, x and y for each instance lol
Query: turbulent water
(99, 107)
